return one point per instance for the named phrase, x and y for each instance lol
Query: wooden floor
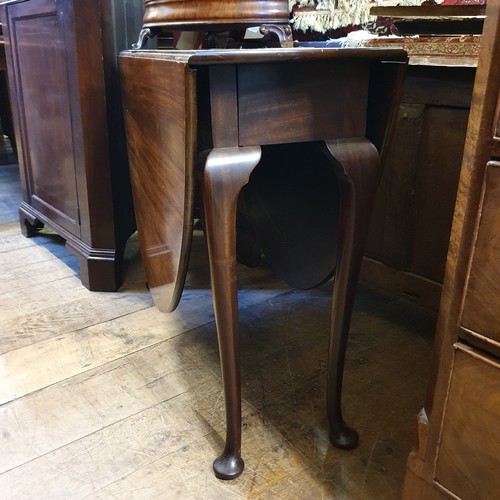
(104, 397)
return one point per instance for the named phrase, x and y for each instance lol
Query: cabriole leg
(357, 164)
(227, 170)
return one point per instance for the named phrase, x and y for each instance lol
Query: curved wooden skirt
(293, 204)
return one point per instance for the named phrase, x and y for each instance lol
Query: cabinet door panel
(44, 89)
(481, 311)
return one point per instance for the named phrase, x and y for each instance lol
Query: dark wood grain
(476, 155)
(358, 168)
(45, 123)
(224, 105)
(470, 441)
(437, 169)
(439, 86)
(413, 210)
(229, 56)
(274, 55)
(481, 312)
(392, 221)
(163, 182)
(352, 158)
(226, 171)
(277, 107)
(384, 97)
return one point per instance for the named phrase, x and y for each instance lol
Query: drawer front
(303, 101)
(468, 461)
(481, 311)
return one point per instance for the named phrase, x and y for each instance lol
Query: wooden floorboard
(104, 397)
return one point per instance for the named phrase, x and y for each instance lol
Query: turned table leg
(227, 170)
(357, 164)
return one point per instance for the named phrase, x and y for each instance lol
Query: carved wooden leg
(144, 35)
(227, 170)
(282, 31)
(357, 165)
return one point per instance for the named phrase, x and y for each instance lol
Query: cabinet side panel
(43, 94)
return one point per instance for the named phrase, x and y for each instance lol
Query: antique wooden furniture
(214, 15)
(232, 108)
(458, 453)
(61, 59)
(411, 223)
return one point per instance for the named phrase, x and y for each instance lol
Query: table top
(248, 56)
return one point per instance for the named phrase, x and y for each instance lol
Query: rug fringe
(330, 14)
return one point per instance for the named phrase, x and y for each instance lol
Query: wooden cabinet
(458, 454)
(61, 60)
(411, 222)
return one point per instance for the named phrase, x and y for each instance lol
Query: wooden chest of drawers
(458, 455)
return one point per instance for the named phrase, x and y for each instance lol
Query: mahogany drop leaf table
(216, 115)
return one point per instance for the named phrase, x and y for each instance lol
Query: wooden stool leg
(357, 165)
(227, 170)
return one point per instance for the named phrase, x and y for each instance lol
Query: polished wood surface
(166, 239)
(103, 396)
(61, 59)
(230, 148)
(358, 165)
(213, 14)
(226, 171)
(53, 193)
(480, 313)
(335, 106)
(462, 405)
(470, 441)
(228, 56)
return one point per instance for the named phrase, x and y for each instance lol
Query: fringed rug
(326, 15)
